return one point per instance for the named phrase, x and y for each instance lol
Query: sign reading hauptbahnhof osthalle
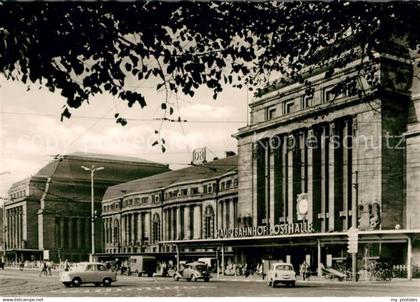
(275, 230)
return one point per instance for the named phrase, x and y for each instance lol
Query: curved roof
(204, 171)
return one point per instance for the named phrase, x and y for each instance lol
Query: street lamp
(92, 171)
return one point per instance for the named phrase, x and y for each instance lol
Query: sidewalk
(316, 280)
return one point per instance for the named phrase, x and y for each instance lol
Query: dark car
(193, 271)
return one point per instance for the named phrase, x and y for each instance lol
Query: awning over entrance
(301, 239)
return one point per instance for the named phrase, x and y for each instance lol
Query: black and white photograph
(210, 149)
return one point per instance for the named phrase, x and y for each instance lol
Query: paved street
(27, 283)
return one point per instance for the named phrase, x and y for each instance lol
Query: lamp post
(92, 171)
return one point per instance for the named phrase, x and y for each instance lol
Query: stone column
(8, 243)
(226, 213)
(133, 238)
(324, 169)
(271, 184)
(18, 228)
(196, 234)
(147, 222)
(105, 230)
(310, 172)
(354, 168)
(110, 232)
(71, 233)
(232, 213)
(78, 233)
(331, 177)
(174, 223)
(254, 186)
(284, 179)
(220, 214)
(169, 225)
(140, 228)
(129, 229)
(123, 242)
(346, 178)
(163, 225)
(200, 221)
(61, 239)
(187, 222)
(303, 163)
(178, 223)
(290, 165)
(13, 228)
(113, 237)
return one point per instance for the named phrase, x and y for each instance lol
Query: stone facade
(354, 158)
(51, 211)
(326, 173)
(186, 204)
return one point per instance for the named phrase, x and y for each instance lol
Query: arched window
(208, 224)
(156, 228)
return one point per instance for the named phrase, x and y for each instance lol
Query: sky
(31, 132)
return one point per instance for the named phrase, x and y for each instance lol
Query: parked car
(193, 271)
(281, 273)
(88, 272)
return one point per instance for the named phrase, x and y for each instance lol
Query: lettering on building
(275, 230)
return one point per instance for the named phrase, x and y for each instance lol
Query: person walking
(43, 268)
(304, 270)
(49, 266)
(66, 265)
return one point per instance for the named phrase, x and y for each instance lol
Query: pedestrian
(66, 265)
(21, 265)
(43, 268)
(49, 266)
(304, 269)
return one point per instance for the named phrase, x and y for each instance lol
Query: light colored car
(88, 272)
(193, 271)
(281, 273)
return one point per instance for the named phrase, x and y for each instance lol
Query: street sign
(352, 240)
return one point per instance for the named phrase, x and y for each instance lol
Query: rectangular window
(270, 112)
(194, 191)
(184, 192)
(289, 107)
(228, 184)
(327, 95)
(307, 101)
(144, 199)
(210, 188)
